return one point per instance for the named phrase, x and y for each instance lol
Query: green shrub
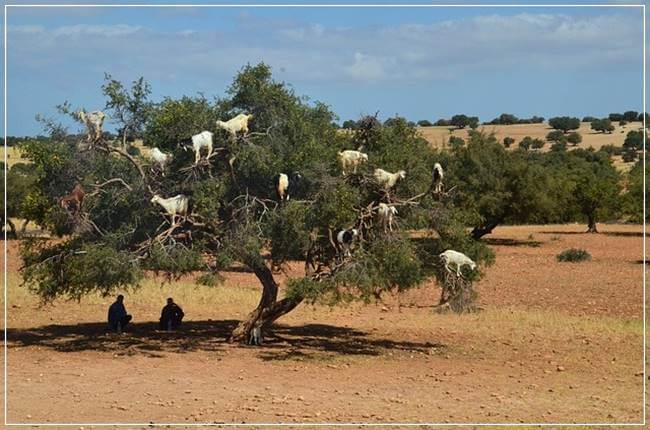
(573, 255)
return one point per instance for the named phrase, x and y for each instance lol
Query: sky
(421, 63)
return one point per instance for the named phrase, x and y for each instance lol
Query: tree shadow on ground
(497, 241)
(282, 342)
(604, 233)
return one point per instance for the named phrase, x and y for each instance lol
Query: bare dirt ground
(555, 342)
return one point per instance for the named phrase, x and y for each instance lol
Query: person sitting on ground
(171, 316)
(117, 316)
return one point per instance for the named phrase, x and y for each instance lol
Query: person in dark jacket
(117, 316)
(171, 316)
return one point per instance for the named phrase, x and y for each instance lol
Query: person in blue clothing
(117, 316)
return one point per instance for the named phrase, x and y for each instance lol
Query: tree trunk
(591, 224)
(268, 310)
(479, 232)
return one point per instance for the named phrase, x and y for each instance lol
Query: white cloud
(314, 52)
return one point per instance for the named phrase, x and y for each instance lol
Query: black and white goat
(438, 174)
(285, 185)
(345, 239)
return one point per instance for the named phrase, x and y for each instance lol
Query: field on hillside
(439, 136)
(554, 342)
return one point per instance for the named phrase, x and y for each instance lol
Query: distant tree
(425, 123)
(622, 123)
(574, 138)
(642, 116)
(505, 119)
(442, 123)
(460, 121)
(589, 119)
(21, 180)
(508, 141)
(538, 143)
(597, 187)
(556, 136)
(603, 125)
(633, 140)
(564, 123)
(611, 149)
(526, 143)
(537, 119)
(630, 115)
(498, 185)
(473, 122)
(632, 200)
(349, 124)
(615, 117)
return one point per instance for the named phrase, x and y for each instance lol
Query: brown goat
(76, 197)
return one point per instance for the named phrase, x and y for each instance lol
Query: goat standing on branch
(284, 186)
(94, 121)
(386, 215)
(160, 159)
(76, 198)
(350, 160)
(386, 179)
(198, 141)
(438, 174)
(236, 124)
(177, 205)
(458, 259)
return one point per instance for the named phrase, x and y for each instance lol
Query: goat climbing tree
(236, 217)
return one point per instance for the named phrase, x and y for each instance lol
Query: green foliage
(574, 138)
(73, 269)
(612, 149)
(615, 117)
(128, 108)
(573, 255)
(556, 136)
(175, 120)
(528, 143)
(603, 125)
(425, 123)
(564, 123)
(632, 200)
(462, 121)
(634, 140)
(508, 141)
(456, 142)
(630, 115)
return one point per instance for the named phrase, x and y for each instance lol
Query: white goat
(458, 259)
(281, 186)
(386, 215)
(386, 179)
(159, 158)
(438, 174)
(177, 205)
(350, 159)
(94, 121)
(198, 141)
(236, 124)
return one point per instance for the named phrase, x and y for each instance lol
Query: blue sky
(422, 63)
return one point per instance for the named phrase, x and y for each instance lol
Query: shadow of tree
(511, 242)
(282, 342)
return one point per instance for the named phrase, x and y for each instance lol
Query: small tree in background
(349, 124)
(460, 121)
(556, 136)
(456, 142)
(425, 123)
(574, 138)
(508, 141)
(603, 125)
(615, 117)
(630, 115)
(589, 119)
(564, 123)
(128, 108)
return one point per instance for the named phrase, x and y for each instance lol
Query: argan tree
(564, 123)
(236, 217)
